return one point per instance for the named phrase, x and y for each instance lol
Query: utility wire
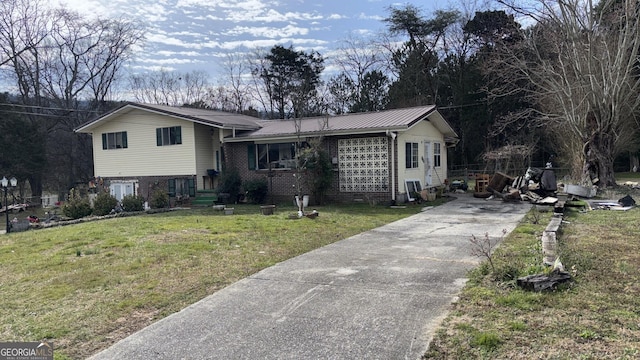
(45, 108)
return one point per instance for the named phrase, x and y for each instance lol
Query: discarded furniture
(482, 181)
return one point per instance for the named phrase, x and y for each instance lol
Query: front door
(428, 166)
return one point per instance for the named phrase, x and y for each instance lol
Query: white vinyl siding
(143, 157)
(422, 132)
(205, 146)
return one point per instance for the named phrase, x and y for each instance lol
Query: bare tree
(582, 64)
(23, 29)
(220, 98)
(62, 65)
(342, 93)
(170, 87)
(237, 70)
(157, 87)
(258, 89)
(356, 57)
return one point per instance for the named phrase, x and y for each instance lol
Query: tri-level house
(386, 155)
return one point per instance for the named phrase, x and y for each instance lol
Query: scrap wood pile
(536, 186)
(539, 186)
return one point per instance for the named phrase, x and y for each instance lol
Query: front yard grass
(89, 285)
(597, 316)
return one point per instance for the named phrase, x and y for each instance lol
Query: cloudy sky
(187, 35)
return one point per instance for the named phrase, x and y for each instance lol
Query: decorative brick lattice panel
(364, 164)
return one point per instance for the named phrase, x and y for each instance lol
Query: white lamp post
(5, 185)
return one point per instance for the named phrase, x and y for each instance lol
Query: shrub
(159, 199)
(230, 183)
(76, 206)
(257, 190)
(133, 203)
(316, 163)
(104, 203)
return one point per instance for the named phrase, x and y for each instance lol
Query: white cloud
(269, 32)
(364, 16)
(337, 17)
(173, 41)
(171, 61)
(183, 33)
(363, 32)
(271, 15)
(153, 13)
(268, 43)
(178, 53)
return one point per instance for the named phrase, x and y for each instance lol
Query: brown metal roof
(250, 128)
(214, 118)
(392, 120)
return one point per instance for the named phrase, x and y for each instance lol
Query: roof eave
(87, 127)
(290, 136)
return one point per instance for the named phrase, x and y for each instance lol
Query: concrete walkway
(377, 295)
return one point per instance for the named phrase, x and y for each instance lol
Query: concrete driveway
(377, 295)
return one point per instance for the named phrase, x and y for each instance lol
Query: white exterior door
(428, 164)
(121, 189)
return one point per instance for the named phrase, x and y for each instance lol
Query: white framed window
(411, 155)
(120, 189)
(114, 140)
(413, 187)
(169, 136)
(436, 155)
(182, 187)
(279, 155)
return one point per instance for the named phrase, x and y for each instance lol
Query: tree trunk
(598, 165)
(35, 181)
(634, 165)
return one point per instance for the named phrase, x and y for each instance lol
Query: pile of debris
(539, 186)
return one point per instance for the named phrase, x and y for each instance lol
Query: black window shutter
(172, 187)
(192, 187)
(178, 134)
(159, 137)
(124, 139)
(104, 141)
(407, 156)
(251, 156)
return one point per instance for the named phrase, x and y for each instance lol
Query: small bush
(230, 183)
(318, 169)
(257, 190)
(133, 203)
(103, 204)
(76, 206)
(159, 199)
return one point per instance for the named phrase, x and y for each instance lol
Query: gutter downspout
(393, 135)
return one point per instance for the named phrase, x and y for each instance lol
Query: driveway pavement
(377, 295)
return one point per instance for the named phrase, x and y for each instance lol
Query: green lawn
(596, 317)
(627, 176)
(89, 285)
